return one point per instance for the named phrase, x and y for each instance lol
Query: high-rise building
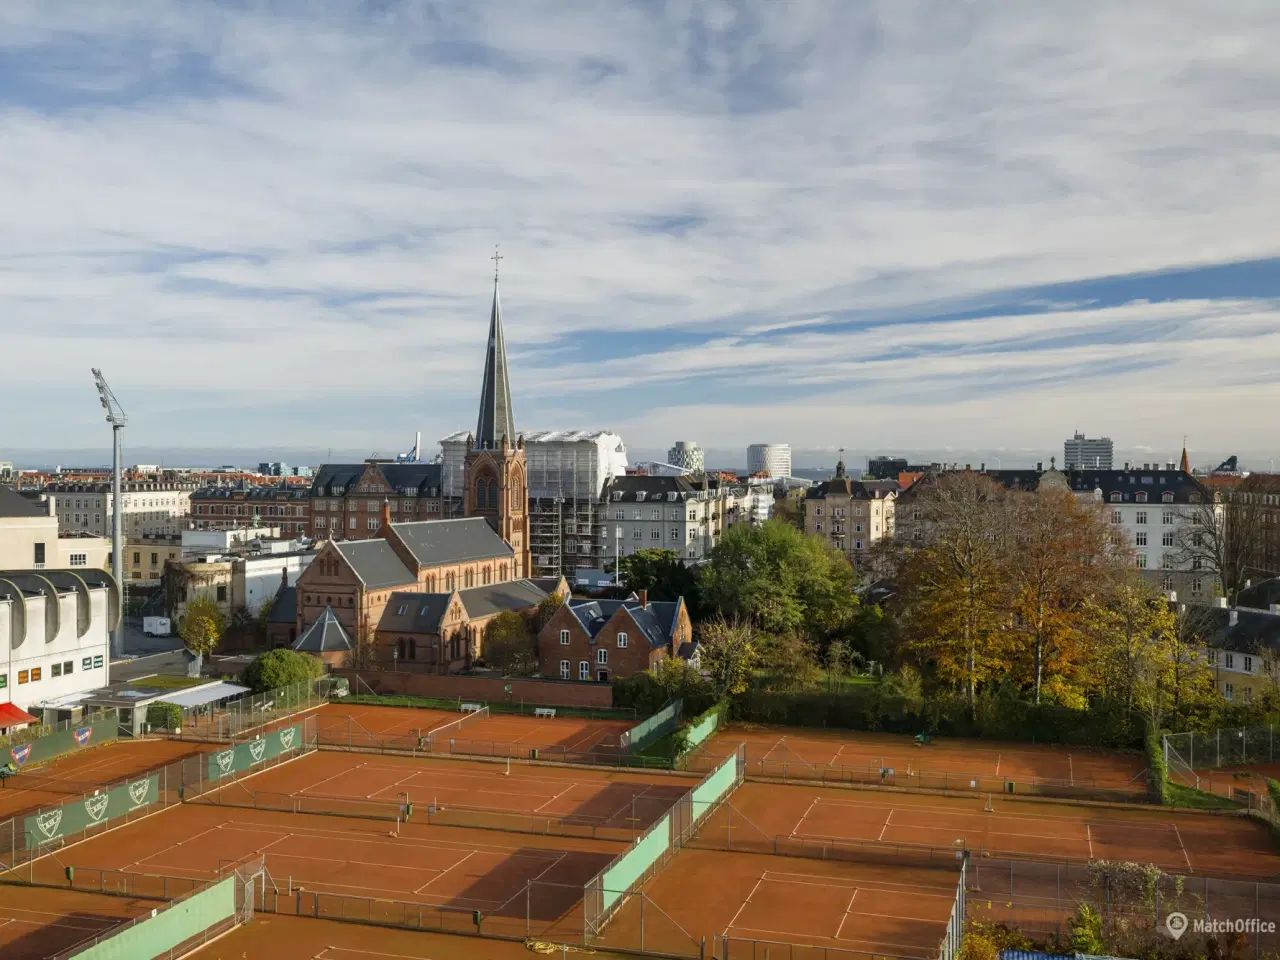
(770, 459)
(687, 454)
(1082, 453)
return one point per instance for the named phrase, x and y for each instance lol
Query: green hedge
(1158, 776)
(164, 716)
(995, 715)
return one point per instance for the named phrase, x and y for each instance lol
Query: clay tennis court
(879, 909)
(36, 923)
(608, 798)
(779, 751)
(86, 770)
(1181, 843)
(308, 857)
(497, 734)
(273, 937)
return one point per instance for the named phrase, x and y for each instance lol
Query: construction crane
(117, 418)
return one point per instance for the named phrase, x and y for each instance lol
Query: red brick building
(602, 640)
(226, 508)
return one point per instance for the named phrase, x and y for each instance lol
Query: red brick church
(418, 593)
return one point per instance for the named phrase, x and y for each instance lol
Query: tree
(1059, 549)
(201, 626)
(729, 652)
(1223, 535)
(678, 679)
(545, 610)
(779, 579)
(661, 573)
(508, 644)
(1130, 628)
(276, 669)
(790, 659)
(951, 586)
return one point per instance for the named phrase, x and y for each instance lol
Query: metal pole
(117, 542)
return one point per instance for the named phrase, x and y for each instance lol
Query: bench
(471, 707)
(544, 712)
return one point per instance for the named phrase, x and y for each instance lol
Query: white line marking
(538, 808)
(804, 816)
(745, 902)
(847, 908)
(888, 817)
(1185, 855)
(443, 872)
(1089, 836)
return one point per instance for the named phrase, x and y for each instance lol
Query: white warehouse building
(55, 632)
(772, 460)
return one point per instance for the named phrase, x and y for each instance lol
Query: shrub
(1158, 778)
(280, 668)
(164, 716)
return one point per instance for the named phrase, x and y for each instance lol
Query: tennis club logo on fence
(256, 749)
(138, 792)
(20, 754)
(49, 823)
(225, 760)
(286, 738)
(96, 806)
(82, 735)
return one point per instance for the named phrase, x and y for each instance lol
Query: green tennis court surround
(99, 808)
(241, 756)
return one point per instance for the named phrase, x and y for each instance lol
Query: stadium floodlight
(117, 418)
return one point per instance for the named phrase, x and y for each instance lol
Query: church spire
(497, 419)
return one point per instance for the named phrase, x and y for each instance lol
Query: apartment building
(145, 557)
(346, 498)
(771, 460)
(603, 640)
(851, 515)
(226, 508)
(30, 538)
(148, 507)
(671, 513)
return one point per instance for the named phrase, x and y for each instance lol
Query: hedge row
(1158, 778)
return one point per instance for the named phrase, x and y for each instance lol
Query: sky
(885, 226)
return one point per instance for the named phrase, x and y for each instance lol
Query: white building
(29, 538)
(568, 470)
(773, 460)
(1082, 453)
(669, 513)
(687, 454)
(149, 507)
(55, 632)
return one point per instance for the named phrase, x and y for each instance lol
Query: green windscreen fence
(647, 731)
(625, 872)
(173, 924)
(248, 753)
(75, 737)
(714, 787)
(703, 727)
(75, 815)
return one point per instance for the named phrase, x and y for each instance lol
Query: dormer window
(1140, 496)
(1166, 497)
(673, 495)
(617, 496)
(639, 496)
(1115, 498)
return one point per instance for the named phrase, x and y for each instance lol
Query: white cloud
(351, 172)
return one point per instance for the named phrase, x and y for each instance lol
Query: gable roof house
(600, 640)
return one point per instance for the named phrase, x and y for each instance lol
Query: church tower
(496, 484)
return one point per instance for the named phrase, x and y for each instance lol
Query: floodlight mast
(117, 418)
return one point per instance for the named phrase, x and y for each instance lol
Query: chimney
(1233, 618)
(386, 512)
(982, 467)
(1039, 466)
(284, 576)
(644, 597)
(1126, 464)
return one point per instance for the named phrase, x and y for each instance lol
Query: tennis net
(446, 730)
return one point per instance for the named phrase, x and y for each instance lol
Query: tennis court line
(744, 903)
(847, 908)
(879, 886)
(1185, 855)
(441, 873)
(806, 940)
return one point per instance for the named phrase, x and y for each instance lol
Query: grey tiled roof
(653, 488)
(656, 621)
(435, 542)
(13, 504)
(422, 612)
(339, 475)
(284, 608)
(497, 597)
(375, 563)
(325, 635)
(858, 489)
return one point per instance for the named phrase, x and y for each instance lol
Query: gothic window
(493, 494)
(481, 494)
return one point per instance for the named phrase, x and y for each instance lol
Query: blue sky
(868, 225)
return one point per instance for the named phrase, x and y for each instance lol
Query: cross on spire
(495, 258)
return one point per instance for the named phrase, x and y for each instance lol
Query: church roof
(375, 563)
(497, 417)
(324, 635)
(435, 542)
